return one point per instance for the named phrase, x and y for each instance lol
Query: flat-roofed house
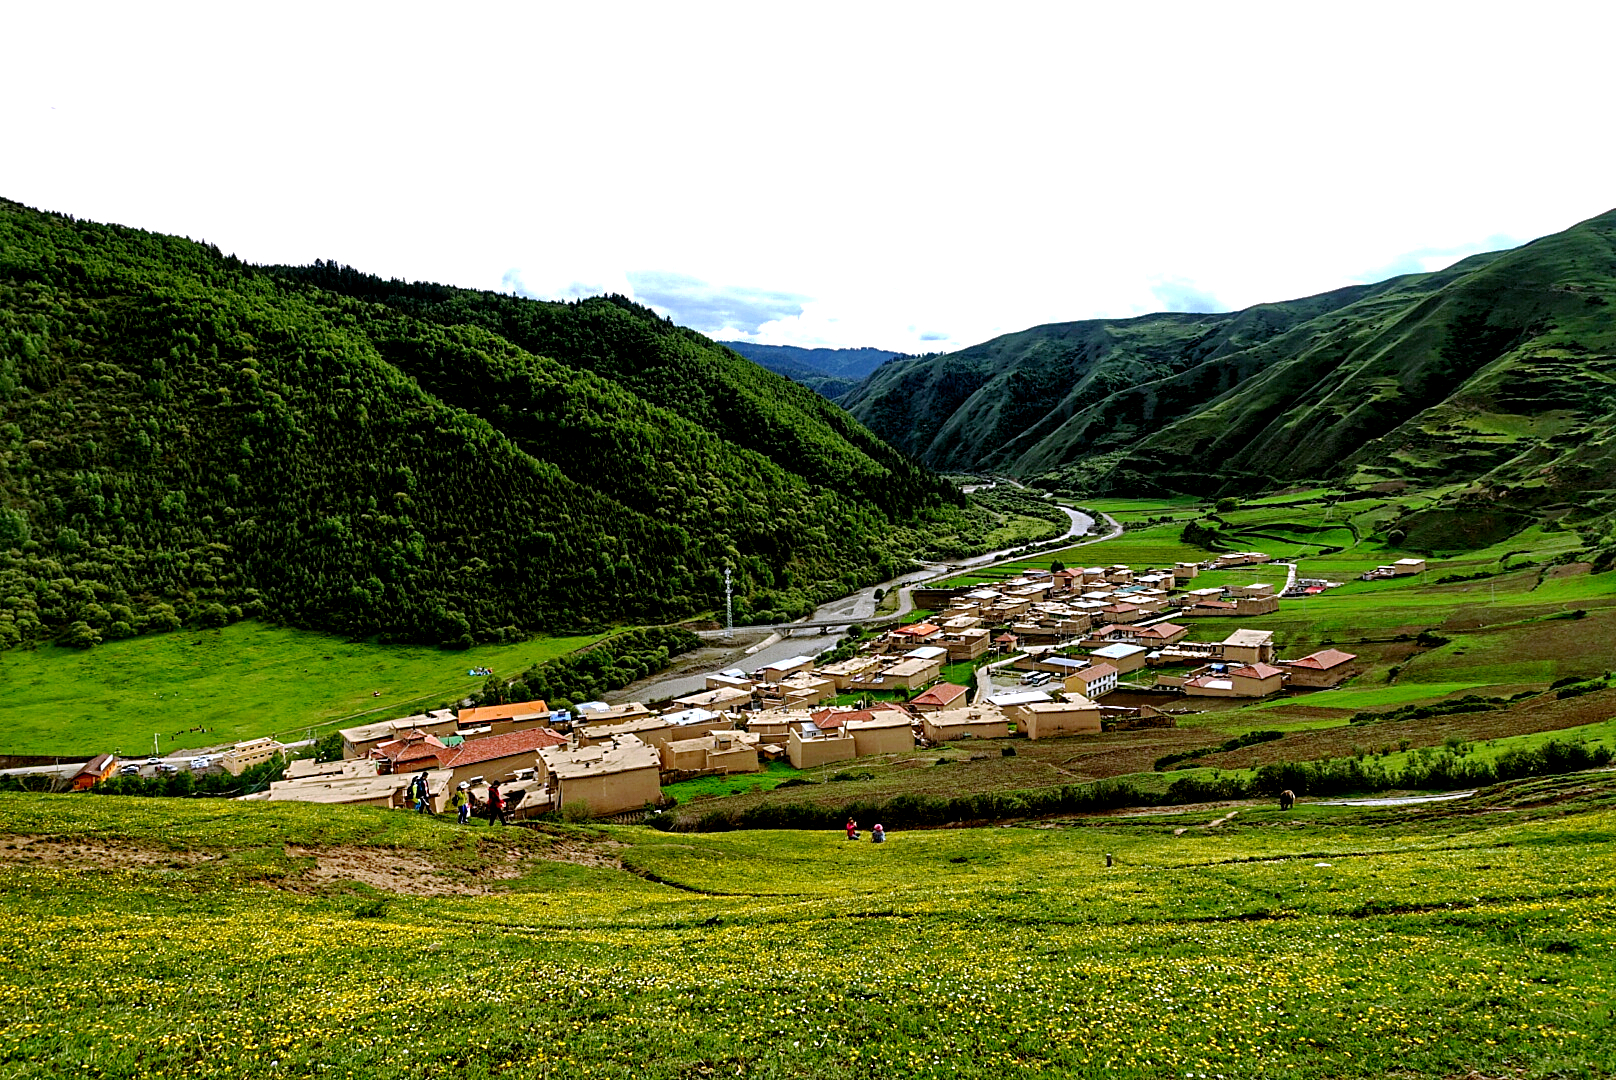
(716, 752)
(971, 722)
(598, 713)
(357, 742)
(1403, 567)
(1249, 646)
(723, 699)
(349, 789)
(939, 697)
(782, 669)
(1122, 656)
(734, 680)
(1076, 715)
(1255, 590)
(1186, 571)
(244, 755)
(795, 691)
(844, 673)
(607, 778)
(810, 746)
(880, 732)
(966, 643)
(1325, 668)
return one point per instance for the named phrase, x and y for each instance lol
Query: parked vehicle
(165, 767)
(203, 762)
(130, 769)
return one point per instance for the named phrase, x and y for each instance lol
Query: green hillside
(1499, 372)
(186, 439)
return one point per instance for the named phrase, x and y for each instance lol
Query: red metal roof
(501, 712)
(473, 751)
(1323, 659)
(941, 694)
(1257, 671)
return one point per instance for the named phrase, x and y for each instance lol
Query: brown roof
(1161, 629)
(1324, 658)
(501, 712)
(474, 751)
(1006, 637)
(413, 745)
(1215, 604)
(920, 629)
(941, 694)
(1257, 671)
(1095, 672)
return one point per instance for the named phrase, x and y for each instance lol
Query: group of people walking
(878, 835)
(465, 803)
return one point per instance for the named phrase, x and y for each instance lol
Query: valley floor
(202, 938)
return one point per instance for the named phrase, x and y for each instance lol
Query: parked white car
(203, 762)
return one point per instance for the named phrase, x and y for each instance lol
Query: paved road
(858, 607)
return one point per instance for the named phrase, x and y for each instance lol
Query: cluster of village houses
(1062, 639)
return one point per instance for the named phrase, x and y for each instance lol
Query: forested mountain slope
(187, 438)
(1498, 370)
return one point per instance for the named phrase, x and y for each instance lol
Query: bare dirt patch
(58, 851)
(393, 871)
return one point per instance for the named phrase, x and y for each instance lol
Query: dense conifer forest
(186, 439)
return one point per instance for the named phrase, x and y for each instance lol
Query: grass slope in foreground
(211, 939)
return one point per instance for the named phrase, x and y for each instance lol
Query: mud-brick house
(1122, 656)
(971, 722)
(607, 778)
(1077, 715)
(1323, 669)
(718, 752)
(1249, 647)
(809, 746)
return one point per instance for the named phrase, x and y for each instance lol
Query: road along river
(856, 607)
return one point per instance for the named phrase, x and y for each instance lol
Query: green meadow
(216, 939)
(205, 687)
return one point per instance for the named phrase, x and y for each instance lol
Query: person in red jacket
(496, 804)
(852, 829)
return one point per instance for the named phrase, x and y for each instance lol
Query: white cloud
(911, 173)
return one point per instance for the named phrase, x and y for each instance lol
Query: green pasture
(1434, 941)
(773, 775)
(206, 687)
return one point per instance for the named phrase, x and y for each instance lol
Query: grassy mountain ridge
(184, 438)
(830, 373)
(1496, 372)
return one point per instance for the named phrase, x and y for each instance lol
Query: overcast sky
(907, 176)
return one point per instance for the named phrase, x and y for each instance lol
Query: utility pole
(729, 608)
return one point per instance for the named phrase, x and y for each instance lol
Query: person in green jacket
(461, 801)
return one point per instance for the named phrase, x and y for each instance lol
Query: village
(1059, 653)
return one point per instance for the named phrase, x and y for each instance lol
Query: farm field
(206, 687)
(225, 939)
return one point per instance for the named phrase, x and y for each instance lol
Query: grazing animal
(1287, 799)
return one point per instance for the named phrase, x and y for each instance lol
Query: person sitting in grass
(878, 835)
(852, 829)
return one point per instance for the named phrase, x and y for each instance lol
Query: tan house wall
(614, 792)
(892, 739)
(1248, 687)
(737, 760)
(979, 729)
(1315, 679)
(812, 752)
(1050, 724)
